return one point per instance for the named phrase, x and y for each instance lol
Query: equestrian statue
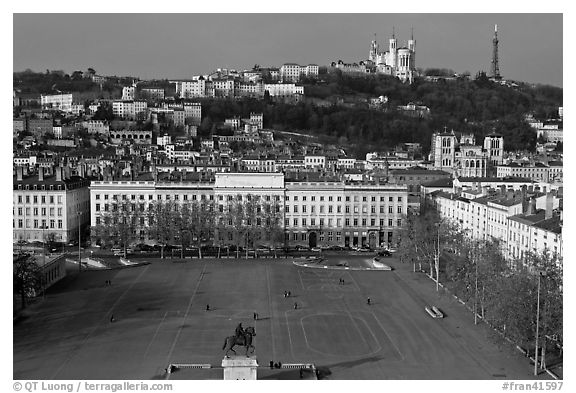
(243, 337)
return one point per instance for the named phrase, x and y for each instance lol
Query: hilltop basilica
(397, 61)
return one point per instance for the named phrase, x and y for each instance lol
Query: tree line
(477, 106)
(501, 292)
(243, 221)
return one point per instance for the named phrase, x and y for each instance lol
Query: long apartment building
(133, 110)
(202, 87)
(508, 215)
(291, 72)
(61, 102)
(538, 171)
(49, 205)
(318, 212)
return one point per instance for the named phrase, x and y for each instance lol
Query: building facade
(60, 102)
(49, 207)
(312, 213)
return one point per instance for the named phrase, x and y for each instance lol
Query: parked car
(364, 249)
(337, 248)
(384, 253)
(316, 249)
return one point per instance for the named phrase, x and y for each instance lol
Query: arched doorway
(372, 240)
(312, 239)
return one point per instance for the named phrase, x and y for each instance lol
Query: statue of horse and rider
(242, 338)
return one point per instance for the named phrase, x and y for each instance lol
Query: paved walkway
(160, 318)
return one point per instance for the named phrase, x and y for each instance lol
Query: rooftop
(495, 179)
(444, 183)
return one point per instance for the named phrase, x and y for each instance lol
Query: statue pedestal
(240, 368)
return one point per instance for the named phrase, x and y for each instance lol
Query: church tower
(392, 50)
(412, 48)
(373, 50)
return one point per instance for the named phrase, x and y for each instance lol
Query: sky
(182, 45)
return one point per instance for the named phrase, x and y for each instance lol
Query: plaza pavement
(160, 318)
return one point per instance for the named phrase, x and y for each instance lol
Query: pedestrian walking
(295, 306)
(255, 316)
(368, 301)
(207, 307)
(271, 363)
(285, 293)
(112, 319)
(289, 293)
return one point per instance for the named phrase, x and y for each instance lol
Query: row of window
(42, 198)
(356, 198)
(36, 210)
(176, 197)
(295, 198)
(355, 222)
(42, 187)
(348, 209)
(37, 224)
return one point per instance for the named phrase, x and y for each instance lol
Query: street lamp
(540, 274)
(43, 283)
(474, 258)
(79, 249)
(437, 259)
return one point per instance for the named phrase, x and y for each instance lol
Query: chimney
(532, 206)
(523, 196)
(58, 173)
(524, 205)
(549, 205)
(40, 174)
(19, 173)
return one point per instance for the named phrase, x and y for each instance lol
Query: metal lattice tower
(495, 67)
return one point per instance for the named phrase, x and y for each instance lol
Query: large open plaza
(160, 318)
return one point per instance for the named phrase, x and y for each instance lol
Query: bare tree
(118, 225)
(201, 223)
(163, 223)
(273, 219)
(236, 217)
(27, 278)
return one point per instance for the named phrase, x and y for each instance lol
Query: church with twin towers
(398, 61)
